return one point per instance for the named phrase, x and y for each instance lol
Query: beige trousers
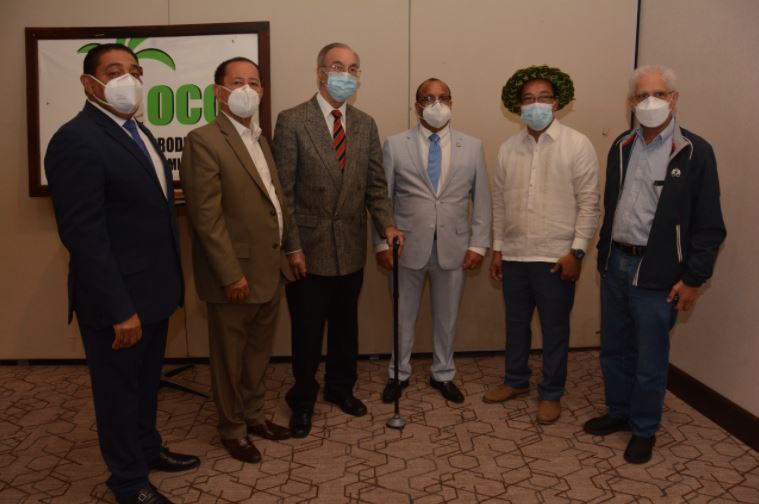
(240, 340)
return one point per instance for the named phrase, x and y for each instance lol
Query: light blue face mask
(341, 85)
(537, 116)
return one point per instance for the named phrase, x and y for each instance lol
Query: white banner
(178, 83)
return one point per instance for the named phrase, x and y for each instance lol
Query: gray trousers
(445, 292)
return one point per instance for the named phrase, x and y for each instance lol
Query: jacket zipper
(619, 196)
(679, 244)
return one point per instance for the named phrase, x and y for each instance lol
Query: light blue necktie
(131, 127)
(434, 160)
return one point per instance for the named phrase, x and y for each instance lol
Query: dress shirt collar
(118, 120)
(553, 132)
(327, 109)
(254, 132)
(663, 135)
(443, 133)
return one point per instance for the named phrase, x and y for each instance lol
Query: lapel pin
(675, 172)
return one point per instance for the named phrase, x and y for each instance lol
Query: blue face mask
(341, 85)
(537, 116)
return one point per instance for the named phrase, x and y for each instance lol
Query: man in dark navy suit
(112, 192)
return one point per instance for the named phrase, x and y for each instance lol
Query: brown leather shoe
(548, 411)
(502, 393)
(242, 449)
(269, 430)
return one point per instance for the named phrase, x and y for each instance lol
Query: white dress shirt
(329, 119)
(545, 195)
(250, 138)
(154, 156)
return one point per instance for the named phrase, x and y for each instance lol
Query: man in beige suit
(238, 219)
(330, 161)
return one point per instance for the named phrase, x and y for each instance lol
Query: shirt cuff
(381, 247)
(497, 245)
(291, 252)
(479, 250)
(580, 244)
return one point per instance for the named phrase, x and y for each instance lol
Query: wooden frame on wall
(179, 61)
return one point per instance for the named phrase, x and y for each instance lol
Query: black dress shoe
(639, 449)
(173, 462)
(147, 495)
(605, 425)
(393, 390)
(269, 430)
(300, 423)
(448, 389)
(348, 403)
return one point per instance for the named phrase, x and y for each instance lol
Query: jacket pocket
(130, 264)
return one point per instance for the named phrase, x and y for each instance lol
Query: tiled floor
(474, 452)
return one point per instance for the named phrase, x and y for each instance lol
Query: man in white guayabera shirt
(545, 211)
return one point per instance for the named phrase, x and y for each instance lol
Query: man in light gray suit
(330, 165)
(433, 172)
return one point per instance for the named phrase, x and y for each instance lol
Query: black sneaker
(605, 425)
(393, 390)
(639, 449)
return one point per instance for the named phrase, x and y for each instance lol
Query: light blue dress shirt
(643, 183)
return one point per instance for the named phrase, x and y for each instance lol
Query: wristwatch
(579, 254)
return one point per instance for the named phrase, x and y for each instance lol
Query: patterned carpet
(474, 452)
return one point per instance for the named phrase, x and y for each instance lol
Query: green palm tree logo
(132, 43)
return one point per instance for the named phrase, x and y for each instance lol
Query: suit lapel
(238, 147)
(123, 138)
(168, 176)
(457, 141)
(322, 141)
(355, 136)
(412, 144)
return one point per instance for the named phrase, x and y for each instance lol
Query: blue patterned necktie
(131, 127)
(434, 160)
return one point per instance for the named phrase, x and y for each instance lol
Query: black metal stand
(396, 422)
(170, 384)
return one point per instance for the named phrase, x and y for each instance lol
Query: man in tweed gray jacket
(330, 164)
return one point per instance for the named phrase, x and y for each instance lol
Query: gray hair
(666, 73)
(327, 48)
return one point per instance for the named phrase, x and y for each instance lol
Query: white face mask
(652, 112)
(437, 115)
(124, 93)
(243, 101)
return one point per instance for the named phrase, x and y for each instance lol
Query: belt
(633, 250)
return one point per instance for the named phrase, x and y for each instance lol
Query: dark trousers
(314, 301)
(635, 325)
(527, 285)
(125, 392)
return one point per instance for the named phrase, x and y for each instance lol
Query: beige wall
(713, 46)
(474, 46)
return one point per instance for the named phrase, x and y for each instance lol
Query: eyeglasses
(429, 99)
(662, 95)
(339, 67)
(529, 99)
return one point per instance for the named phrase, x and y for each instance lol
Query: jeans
(525, 286)
(635, 325)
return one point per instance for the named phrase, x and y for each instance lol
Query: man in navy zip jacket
(661, 233)
(114, 204)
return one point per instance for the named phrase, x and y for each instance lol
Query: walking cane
(396, 422)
